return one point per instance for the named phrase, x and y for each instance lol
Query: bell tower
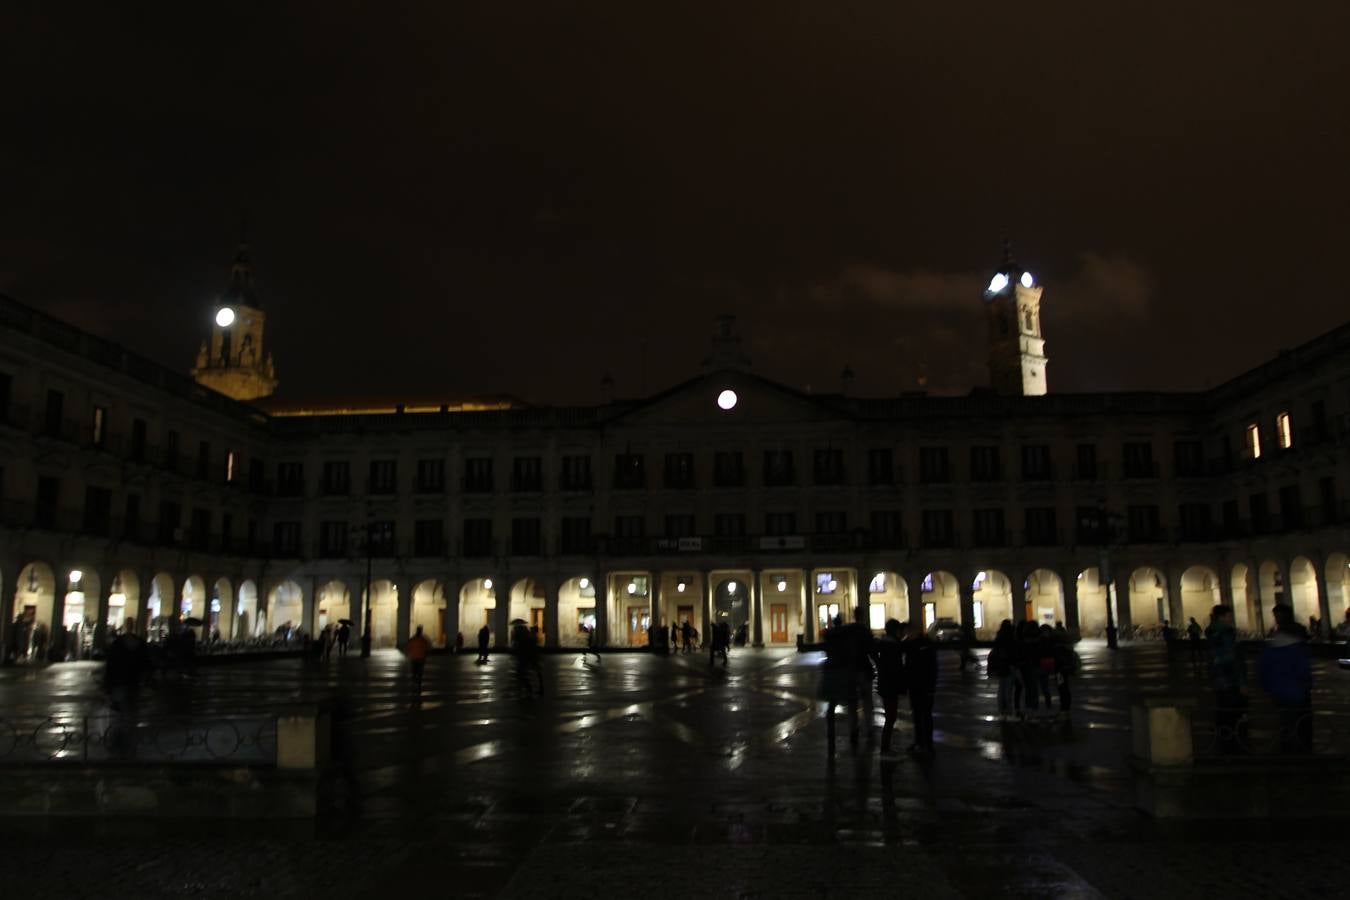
(233, 362)
(1012, 305)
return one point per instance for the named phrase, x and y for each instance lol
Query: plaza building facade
(128, 490)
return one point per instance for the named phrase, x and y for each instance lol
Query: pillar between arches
(1017, 587)
(756, 608)
(1069, 587)
(1176, 610)
(863, 599)
(308, 599)
(1118, 595)
(965, 589)
(707, 608)
(1323, 599)
(451, 588)
(601, 582)
(501, 611)
(808, 606)
(403, 628)
(551, 612)
(914, 588)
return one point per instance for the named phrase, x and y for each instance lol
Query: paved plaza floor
(650, 776)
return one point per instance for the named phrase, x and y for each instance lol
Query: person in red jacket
(418, 649)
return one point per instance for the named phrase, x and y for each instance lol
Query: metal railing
(119, 739)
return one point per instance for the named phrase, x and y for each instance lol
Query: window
(1291, 506)
(778, 468)
(170, 522)
(527, 473)
(478, 475)
(257, 476)
(382, 538)
(1260, 510)
(1326, 490)
(1252, 438)
(55, 413)
(229, 467)
(989, 528)
(576, 473)
(679, 470)
(286, 539)
(1314, 429)
(526, 537)
(430, 476)
(880, 466)
(680, 525)
(98, 428)
(1232, 520)
(1195, 522)
(337, 478)
(1086, 462)
(886, 528)
(1092, 528)
(1189, 458)
(1139, 460)
(777, 524)
(97, 511)
(1040, 522)
(132, 523)
(138, 438)
(831, 522)
(985, 464)
(171, 450)
(290, 479)
(876, 616)
(199, 535)
(203, 459)
(1036, 462)
(576, 534)
(226, 528)
(333, 539)
(629, 471)
(383, 476)
(934, 467)
(1284, 432)
(1142, 522)
(937, 528)
(477, 537)
(728, 468)
(826, 583)
(628, 534)
(428, 537)
(877, 585)
(828, 466)
(729, 524)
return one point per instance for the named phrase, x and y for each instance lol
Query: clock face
(224, 317)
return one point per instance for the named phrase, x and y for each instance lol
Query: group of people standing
(1026, 660)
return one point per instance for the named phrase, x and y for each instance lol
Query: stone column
(1122, 598)
(450, 591)
(308, 601)
(403, 628)
(1018, 591)
(105, 582)
(808, 595)
(706, 628)
(147, 586)
(501, 613)
(601, 583)
(756, 608)
(655, 599)
(551, 612)
(863, 599)
(1070, 589)
(1323, 599)
(914, 588)
(1176, 607)
(966, 600)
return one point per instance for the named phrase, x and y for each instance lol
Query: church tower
(1012, 305)
(234, 362)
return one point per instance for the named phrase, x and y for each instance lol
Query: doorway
(778, 623)
(537, 624)
(639, 620)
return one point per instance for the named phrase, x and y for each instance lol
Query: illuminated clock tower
(1012, 305)
(233, 362)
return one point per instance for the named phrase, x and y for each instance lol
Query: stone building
(129, 490)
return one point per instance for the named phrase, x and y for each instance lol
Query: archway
(630, 603)
(477, 601)
(193, 602)
(220, 611)
(1093, 598)
(1270, 590)
(1303, 590)
(576, 611)
(1199, 595)
(527, 605)
(79, 612)
(333, 603)
(680, 599)
(941, 598)
(731, 605)
(383, 599)
(286, 609)
(992, 602)
(247, 623)
(1045, 599)
(159, 608)
(1338, 602)
(428, 611)
(34, 598)
(124, 601)
(887, 598)
(834, 595)
(1148, 598)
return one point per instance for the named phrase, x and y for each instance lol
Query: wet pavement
(666, 777)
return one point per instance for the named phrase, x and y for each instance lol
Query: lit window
(229, 465)
(1254, 441)
(876, 616)
(878, 585)
(100, 415)
(825, 583)
(1284, 431)
(978, 610)
(929, 614)
(927, 585)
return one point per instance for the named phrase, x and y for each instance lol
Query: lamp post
(1105, 532)
(365, 633)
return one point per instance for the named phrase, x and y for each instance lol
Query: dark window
(56, 402)
(290, 479)
(1091, 529)
(203, 459)
(887, 528)
(680, 525)
(576, 473)
(98, 428)
(1036, 462)
(527, 473)
(251, 535)
(1041, 527)
(478, 475)
(429, 537)
(333, 539)
(170, 522)
(1232, 520)
(383, 476)
(628, 534)
(286, 539)
(679, 470)
(1316, 430)
(1260, 508)
(477, 537)
(199, 537)
(777, 524)
(778, 468)
(1142, 522)
(138, 437)
(1291, 506)
(728, 468)
(576, 534)
(171, 450)
(383, 538)
(97, 511)
(226, 529)
(257, 476)
(1139, 460)
(1086, 462)
(132, 524)
(989, 528)
(1189, 458)
(831, 522)
(828, 466)
(48, 494)
(1326, 491)
(1195, 522)
(985, 464)
(934, 467)
(629, 471)
(937, 528)
(526, 537)
(880, 466)
(337, 478)
(729, 524)
(430, 476)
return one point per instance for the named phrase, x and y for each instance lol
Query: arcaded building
(128, 490)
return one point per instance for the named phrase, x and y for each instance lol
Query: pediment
(758, 402)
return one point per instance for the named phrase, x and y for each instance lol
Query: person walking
(1228, 677)
(1286, 674)
(687, 635)
(592, 645)
(418, 649)
(1029, 666)
(525, 647)
(890, 656)
(719, 642)
(1001, 666)
(484, 637)
(921, 671)
(344, 635)
(1193, 635)
(1066, 667)
(839, 682)
(1048, 670)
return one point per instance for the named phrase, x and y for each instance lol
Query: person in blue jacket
(1286, 674)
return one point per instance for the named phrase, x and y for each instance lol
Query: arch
(220, 610)
(630, 600)
(835, 595)
(1199, 595)
(247, 622)
(1338, 579)
(782, 606)
(679, 598)
(1148, 598)
(193, 601)
(941, 597)
(383, 600)
(731, 603)
(159, 606)
(477, 601)
(1093, 598)
(887, 598)
(286, 609)
(428, 610)
(992, 602)
(1045, 598)
(124, 601)
(332, 604)
(576, 610)
(79, 612)
(1302, 591)
(34, 602)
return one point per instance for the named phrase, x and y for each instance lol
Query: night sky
(508, 197)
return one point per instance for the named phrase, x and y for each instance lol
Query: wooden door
(778, 623)
(537, 624)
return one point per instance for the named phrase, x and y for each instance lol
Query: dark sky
(519, 196)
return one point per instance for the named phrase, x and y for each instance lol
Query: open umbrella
(192, 621)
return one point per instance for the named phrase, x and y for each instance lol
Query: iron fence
(113, 738)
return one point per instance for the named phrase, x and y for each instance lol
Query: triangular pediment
(758, 402)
